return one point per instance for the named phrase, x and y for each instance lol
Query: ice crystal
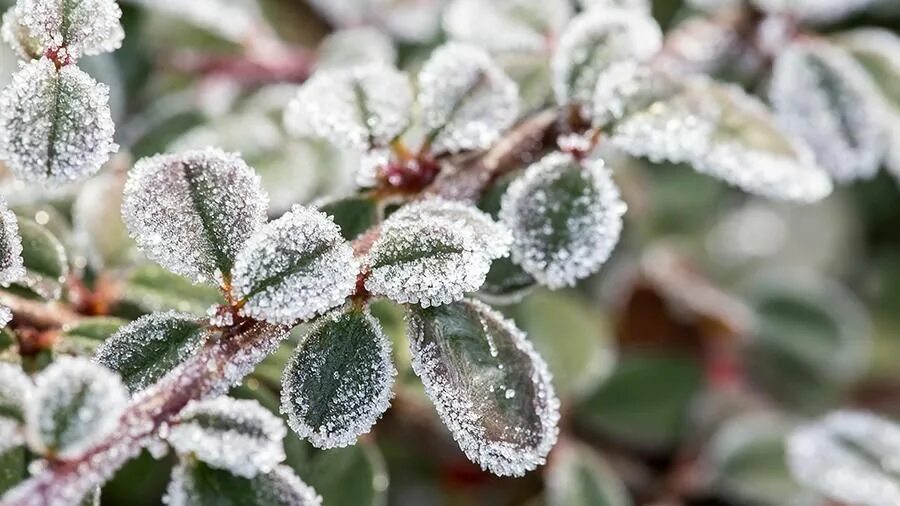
(357, 108)
(85, 27)
(506, 25)
(192, 212)
(466, 99)
(193, 483)
(6, 316)
(240, 436)
(55, 125)
(11, 265)
(432, 252)
(641, 6)
(18, 37)
(470, 358)
(565, 217)
(724, 132)
(848, 456)
(144, 350)
(294, 268)
(76, 404)
(592, 42)
(821, 94)
(338, 383)
(813, 11)
(15, 392)
(354, 47)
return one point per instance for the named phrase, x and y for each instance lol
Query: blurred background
(721, 322)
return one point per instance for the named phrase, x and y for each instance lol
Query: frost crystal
(11, 265)
(294, 268)
(724, 132)
(55, 125)
(75, 405)
(193, 483)
(84, 27)
(15, 392)
(465, 98)
(357, 108)
(338, 382)
(592, 42)
(192, 212)
(813, 11)
(489, 386)
(848, 456)
(504, 26)
(565, 217)
(240, 436)
(432, 252)
(821, 94)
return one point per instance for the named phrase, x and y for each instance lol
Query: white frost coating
(822, 95)
(84, 27)
(87, 397)
(467, 101)
(294, 268)
(12, 268)
(500, 26)
(55, 125)
(434, 251)
(641, 6)
(240, 436)
(17, 36)
(160, 209)
(355, 46)
(498, 449)
(813, 11)
(592, 42)
(6, 316)
(702, 125)
(593, 221)
(626, 87)
(281, 487)
(15, 392)
(848, 456)
(357, 395)
(356, 108)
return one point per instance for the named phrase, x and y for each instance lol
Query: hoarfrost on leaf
(467, 101)
(44, 259)
(85, 27)
(357, 108)
(18, 37)
(417, 21)
(239, 436)
(195, 483)
(11, 265)
(565, 216)
(55, 125)
(489, 386)
(506, 26)
(595, 40)
(15, 392)
(434, 251)
(75, 405)
(192, 212)
(235, 20)
(823, 96)
(848, 456)
(294, 268)
(628, 87)
(338, 382)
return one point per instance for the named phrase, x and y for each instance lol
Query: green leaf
(12, 468)
(83, 337)
(153, 288)
(44, 257)
(578, 476)
(506, 282)
(146, 349)
(351, 476)
(15, 390)
(194, 483)
(354, 215)
(338, 383)
(97, 222)
(646, 401)
(489, 386)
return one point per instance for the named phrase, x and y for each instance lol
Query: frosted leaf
(592, 42)
(55, 125)
(294, 268)
(18, 36)
(565, 217)
(85, 27)
(75, 405)
(144, 350)
(239, 436)
(641, 6)
(11, 266)
(417, 21)
(848, 456)
(97, 222)
(578, 475)
(195, 483)
(338, 382)
(357, 108)
(466, 99)
(434, 251)
(489, 386)
(234, 20)
(6, 316)
(15, 391)
(355, 46)
(501, 26)
(192, 212)
(813, 11)
(724, 132)
(44, 259)
(628, 87)
(823, 96)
